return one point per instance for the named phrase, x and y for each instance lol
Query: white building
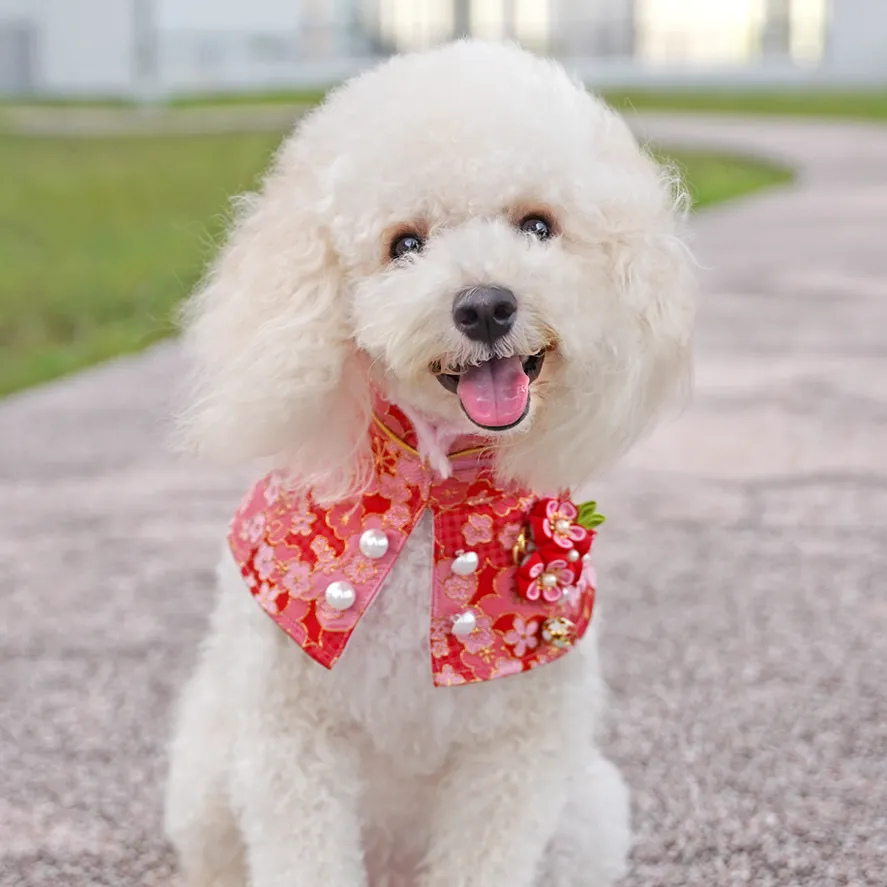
(138, 47)
(123, 47)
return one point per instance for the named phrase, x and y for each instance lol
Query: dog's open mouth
(494, 394)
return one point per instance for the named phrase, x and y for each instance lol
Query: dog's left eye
(537, 227)
(404, 245)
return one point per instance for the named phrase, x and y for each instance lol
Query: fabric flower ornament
(556, 532)
(537, 578)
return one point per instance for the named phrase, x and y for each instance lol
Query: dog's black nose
(485, 313)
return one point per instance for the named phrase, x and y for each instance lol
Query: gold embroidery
(471, 451)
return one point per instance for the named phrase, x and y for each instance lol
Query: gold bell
(559, 632)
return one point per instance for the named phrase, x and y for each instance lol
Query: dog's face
(476, 237)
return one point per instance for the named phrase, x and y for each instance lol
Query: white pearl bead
(466, 563)
(586, 558)
(573, 556)
(464, 624)
(562, 526)
(373, 544)
(549, 580)
(340, 595)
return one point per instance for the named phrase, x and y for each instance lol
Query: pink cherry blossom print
(394, 488)
(439, 645)
(385, 456)
(253, 528)
(415, 474)
(264, 562)
(478, 529)
(345, 520)
(361, 570)
(326, 560)
(448, 677)
(460, 588)
(482, 637)
(267, 596)
(523, 636)
(397, 517)
(509, 535)
(272, 488)
(297, 581)
(302, 520)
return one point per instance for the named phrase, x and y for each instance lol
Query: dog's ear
(276, 372)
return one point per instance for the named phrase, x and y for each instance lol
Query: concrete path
(743, 568)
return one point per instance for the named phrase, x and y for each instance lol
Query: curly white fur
(284, 773)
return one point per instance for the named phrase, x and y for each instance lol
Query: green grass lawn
(860, 105)
(856, 104)
(870, 104)
(101, 238)
(715, 177)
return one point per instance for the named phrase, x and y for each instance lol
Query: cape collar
(512, 585)
(421, 440)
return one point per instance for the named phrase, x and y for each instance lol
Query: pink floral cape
(484, 624)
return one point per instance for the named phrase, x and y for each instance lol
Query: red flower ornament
(549, 580)
(557, 533)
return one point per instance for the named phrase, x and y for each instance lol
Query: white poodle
(459, 294)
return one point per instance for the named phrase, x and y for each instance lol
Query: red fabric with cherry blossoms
(289, 550)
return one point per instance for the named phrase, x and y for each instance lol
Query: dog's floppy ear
(276, 372)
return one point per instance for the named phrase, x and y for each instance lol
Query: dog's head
(475, 236)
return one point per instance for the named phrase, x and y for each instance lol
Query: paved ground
(743, 569)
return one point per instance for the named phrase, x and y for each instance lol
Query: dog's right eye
(404, 245)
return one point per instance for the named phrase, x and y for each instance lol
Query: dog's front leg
(496, 812)
(296, 787)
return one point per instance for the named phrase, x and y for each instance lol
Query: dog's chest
(385, 674)
(394, 631)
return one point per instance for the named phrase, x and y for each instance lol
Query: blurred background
(162, 48)
(196, 94)
(744, 560)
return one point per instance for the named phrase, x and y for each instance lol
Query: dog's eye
(404, 245)
(537, 227)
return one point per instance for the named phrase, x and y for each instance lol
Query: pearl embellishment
(466, 563)
(573, 556)
(549, 580)
(373, 544)
(340, 595)
(562, 526)
(464, 624)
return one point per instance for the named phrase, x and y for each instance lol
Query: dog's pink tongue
(495, 393)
